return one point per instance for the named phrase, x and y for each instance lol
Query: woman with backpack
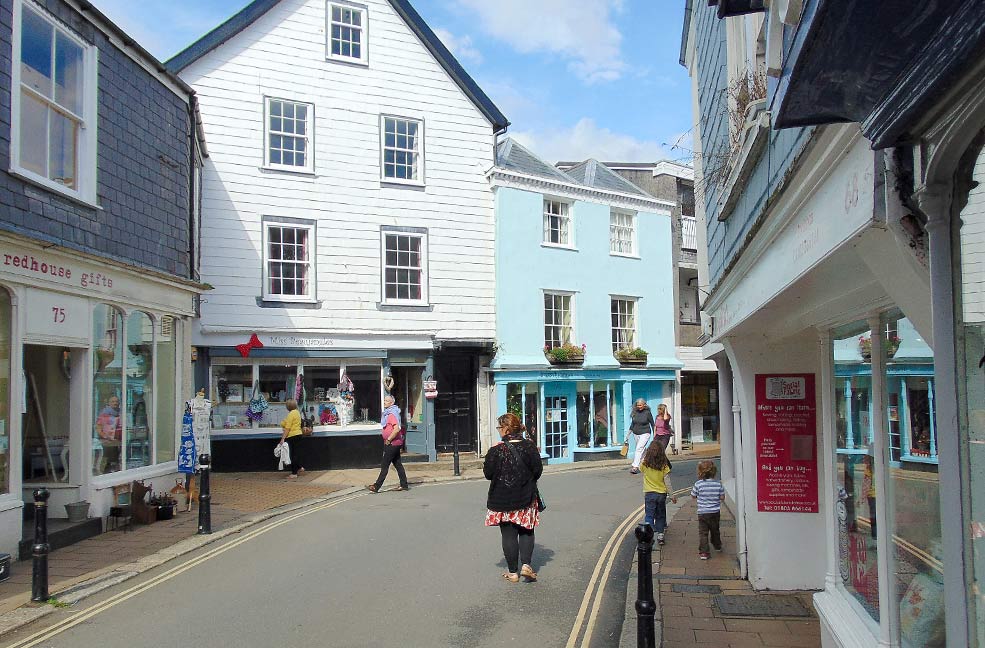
(513, 468)
(393, 443)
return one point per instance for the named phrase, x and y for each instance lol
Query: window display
(4, 391)
(107, 392)
(595, 415)
(140, 389)
(231, 387)
(523, 399)
(166, 368)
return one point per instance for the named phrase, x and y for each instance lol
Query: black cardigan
(512, 486)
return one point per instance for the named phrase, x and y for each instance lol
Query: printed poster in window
(786, 443)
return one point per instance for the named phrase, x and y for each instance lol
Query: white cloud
(588, 140)
(582, 32)
(461, 47)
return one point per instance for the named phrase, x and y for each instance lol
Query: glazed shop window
(321, 386)
(288, 137)
(277, 383)
(165, 388)
(287, 264)
(404, 267)
(367, 393)
(232, 388)
(403, 150)
(622, 232)
(140, 390)
(854, 469)
(347, 40)
(53, 108)
(557, 320)
(595, 415)
(557, 223)
(5, 333)
(108, 395)
(623, 323)
(913, 487)
(523, 399)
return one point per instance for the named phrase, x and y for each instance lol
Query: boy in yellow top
(656, 486)
(292, 434)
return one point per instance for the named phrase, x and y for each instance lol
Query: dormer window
(347, 32)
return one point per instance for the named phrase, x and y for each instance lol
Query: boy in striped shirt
(709, 494)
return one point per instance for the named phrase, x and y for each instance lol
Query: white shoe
(660, 538)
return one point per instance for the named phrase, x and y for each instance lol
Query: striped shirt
(709, 494)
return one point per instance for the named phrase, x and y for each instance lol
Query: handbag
(258, 404)
(541, 504)
(624, 450)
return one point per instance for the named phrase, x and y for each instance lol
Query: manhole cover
(761, 606)
(685, 588)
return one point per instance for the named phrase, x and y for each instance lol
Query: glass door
(409, 393)
(559, 419)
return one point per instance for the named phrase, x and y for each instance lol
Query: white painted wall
(282, 55)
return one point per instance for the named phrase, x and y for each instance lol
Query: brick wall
(143, 164)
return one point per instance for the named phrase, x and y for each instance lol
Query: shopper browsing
(709, 494)
(656, 487)
(641, 426)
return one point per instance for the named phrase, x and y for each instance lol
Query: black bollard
(40, 550)
(454, 436)
(204, 496)
(646, 607)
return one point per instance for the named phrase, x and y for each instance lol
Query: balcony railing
(689, 239)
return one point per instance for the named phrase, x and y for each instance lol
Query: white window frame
(565, 212)
(312, 261)
(309, 137)
(363, 11)
(86, 162)
(417, 182)
(571, 316)
(636, 321)
(425, 294)
(622, 213)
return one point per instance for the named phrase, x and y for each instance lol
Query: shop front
(339, 383)
(580, 414)
(92, 365)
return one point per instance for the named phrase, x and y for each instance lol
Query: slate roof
(512, 156)
(593, 173)
(253, 11)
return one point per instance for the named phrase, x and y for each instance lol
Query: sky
(576, 78)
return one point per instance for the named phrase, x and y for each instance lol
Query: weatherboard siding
(282, 55)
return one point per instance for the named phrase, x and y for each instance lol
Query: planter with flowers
(631, 356)
(891, 343)
(566, 354)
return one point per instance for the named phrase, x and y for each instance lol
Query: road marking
(120, 597)
(607, 557)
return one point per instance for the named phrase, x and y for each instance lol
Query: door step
(61, 533)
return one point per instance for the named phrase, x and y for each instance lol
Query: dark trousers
(664, 440)
(294, 443)
(708, 523)
(872, 516)
(655, 507)
(391, 455)
(518, 545)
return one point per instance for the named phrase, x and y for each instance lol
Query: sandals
(528, 573)
(372, 488)
(513, 578)
(402, 488)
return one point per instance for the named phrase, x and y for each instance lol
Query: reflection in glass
(165, 389)
(4, 391)
(107, 390)
(855, 467)
(232, 387)
(523, 400)
(367, 399)
(34, 135)
(140, 389)
(321, 384)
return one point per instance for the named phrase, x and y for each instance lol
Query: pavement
(686, 587)
(239, 501)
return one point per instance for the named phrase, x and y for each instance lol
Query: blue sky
(577, 78)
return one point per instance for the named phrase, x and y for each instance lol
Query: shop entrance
(409, 394)
(559, 422)
(46, 421)
(454, 408)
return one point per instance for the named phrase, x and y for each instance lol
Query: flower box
(633, 362)
(631, 357)
(565, 355)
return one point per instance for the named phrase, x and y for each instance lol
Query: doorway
(45, 423)
(560, 421)
(455, 406)
(408, 391)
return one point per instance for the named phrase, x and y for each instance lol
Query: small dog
(190, 496)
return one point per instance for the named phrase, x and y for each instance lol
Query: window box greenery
(631, 356)
(566, 354)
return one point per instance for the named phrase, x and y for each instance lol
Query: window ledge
(305, 173)
(754, 137)
(624, 255)
(348, 60)
(54, 187)
(276, 303)
(397, 306)
(918, 459)
(402, 184)
(555, 246)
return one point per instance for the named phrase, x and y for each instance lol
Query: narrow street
(394, 569)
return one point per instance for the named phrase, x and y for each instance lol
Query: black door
(455, 406)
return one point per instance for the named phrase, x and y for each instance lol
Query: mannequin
(195, 426)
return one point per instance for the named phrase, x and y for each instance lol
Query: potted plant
(631, 356)
(566, 354)
(891, 343)
(77, 511)
(165, 505)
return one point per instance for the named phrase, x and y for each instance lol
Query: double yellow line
(116, 599)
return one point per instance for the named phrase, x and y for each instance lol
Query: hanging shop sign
(786, 443)
(430, 388)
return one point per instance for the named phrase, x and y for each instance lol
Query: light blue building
(583, 259)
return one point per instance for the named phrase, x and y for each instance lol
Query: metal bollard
(40, 550)
(646, 607)
(454, 436)
(204, 496)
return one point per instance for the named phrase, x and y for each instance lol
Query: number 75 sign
(54, 318)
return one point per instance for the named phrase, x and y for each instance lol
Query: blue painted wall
(726, 238)
(525, 269)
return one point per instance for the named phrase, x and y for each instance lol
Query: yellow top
(292, 423)
(653, 480)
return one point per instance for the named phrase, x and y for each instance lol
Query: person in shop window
(393, 442)
(869, 486)
(109, 423)
(291, 425)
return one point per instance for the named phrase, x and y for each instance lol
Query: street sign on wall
(786, 443)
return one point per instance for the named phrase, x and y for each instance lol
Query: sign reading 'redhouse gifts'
(41, 266)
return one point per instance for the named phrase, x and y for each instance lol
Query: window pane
(166, 389)
(232, 388)
(277, 383)
(36, 35)
(5, 340)
(140, 390)
(855, 468)
(107, 390)
(64, 133)
(321, 385)
(34, 135)
(366, 403)
(275, 108)
(68, 74)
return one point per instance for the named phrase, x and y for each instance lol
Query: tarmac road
(402, 569)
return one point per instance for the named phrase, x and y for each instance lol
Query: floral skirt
(528, 518)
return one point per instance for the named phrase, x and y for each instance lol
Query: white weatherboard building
(347, 223)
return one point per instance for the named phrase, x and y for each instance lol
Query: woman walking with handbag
(513, 504)
(292, 435)
(393, 442)
(662, 426)
(641, 425)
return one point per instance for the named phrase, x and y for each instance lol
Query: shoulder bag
(258, 404)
